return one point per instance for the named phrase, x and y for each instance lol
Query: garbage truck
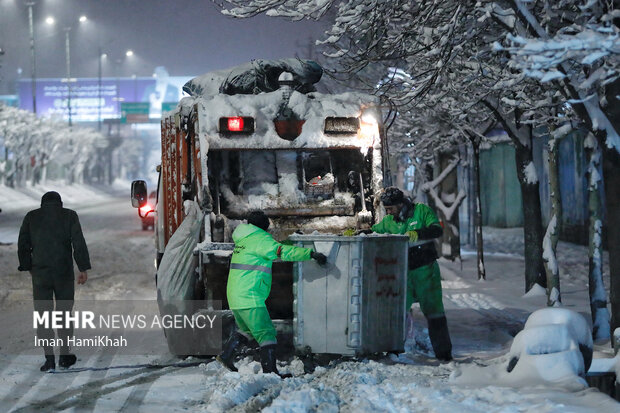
(260, 136)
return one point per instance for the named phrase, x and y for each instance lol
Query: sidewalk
(487, 314)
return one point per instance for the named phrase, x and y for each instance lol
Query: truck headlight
(341, 126)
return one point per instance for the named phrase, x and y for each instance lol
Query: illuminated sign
(89, 103)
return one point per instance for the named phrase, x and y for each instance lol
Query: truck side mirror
(138, 194)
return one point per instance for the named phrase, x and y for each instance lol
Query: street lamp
(67, 30)
(99, 73)
(117, 64)
(68, 56)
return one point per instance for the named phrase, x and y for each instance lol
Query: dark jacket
(46, 239)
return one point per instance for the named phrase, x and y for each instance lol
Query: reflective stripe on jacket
(249, 278)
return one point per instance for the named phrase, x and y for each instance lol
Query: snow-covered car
(554, 343)
(553, 349)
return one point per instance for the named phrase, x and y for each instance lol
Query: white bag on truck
(176, 278)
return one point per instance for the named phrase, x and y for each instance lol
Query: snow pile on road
(358, 386)
(371, 386)
(547, 353)
(554, 348)
(227, 389)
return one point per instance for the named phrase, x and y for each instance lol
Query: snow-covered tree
(35, 142)
(574, 46)
(598, 299)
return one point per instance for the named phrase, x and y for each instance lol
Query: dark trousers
(44, 291)
(440, 337)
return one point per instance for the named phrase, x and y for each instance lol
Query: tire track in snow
(107, 356)
(28, 398)
(20, 388)
(136, 396)
(92, 390)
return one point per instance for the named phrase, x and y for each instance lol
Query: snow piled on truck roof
(255, 77)
(253, 90)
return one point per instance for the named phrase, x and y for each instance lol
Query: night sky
(187, 37)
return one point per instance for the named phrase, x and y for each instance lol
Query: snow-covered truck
(258, 136)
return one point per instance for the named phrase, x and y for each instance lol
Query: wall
(500, 193)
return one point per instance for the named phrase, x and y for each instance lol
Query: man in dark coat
(46, 240)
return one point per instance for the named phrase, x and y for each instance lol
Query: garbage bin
(356, 303)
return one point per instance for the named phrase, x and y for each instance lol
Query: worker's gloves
(350, 232)
(320, 258)
(413, 236)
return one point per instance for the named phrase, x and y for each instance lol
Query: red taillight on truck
(237, 125)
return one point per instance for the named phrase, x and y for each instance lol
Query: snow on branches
(431, 189)
(34, 142)
(574, 44)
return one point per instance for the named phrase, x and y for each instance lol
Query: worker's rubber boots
(67, 360)
(50, 363)
(440, 338)
(227, 357)
(268, 360)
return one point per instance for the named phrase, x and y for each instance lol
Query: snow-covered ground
(483, 318)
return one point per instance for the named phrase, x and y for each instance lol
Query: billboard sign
(89, 102)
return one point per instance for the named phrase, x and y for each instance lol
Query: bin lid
(333, 237)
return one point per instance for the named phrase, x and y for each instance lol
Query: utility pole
(68, 56)
(33, 67)
(1, 54)
(99, 89)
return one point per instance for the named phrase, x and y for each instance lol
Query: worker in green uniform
(420, 223)
(47, 238)
(249, 284)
